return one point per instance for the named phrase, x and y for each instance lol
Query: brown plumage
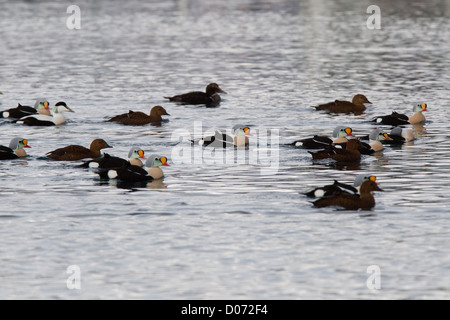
(139, 118)
(75, 152)
(349, 201)
(338, 106)
(351, 152)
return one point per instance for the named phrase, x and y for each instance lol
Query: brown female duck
(197, 97)
(364, 201)
(351, 152)
(338, 106)
(75, 152)
(138, 118)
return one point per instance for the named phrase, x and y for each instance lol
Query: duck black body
(127, 172)
(209, 97)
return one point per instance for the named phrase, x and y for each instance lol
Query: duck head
(213, 88)
(136, 153)
(342, 131)
(241, 130)
(156, 161)
(421, 107)
(360, 99)
(159, 111)
(18, 143)
(379, 135)
(61, 107)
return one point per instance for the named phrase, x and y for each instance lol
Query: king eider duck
(351, 152)
(377, 138)
(364, 200)
(211, 95)
(15, 149)
(399, 136)
(41, 106)
(139, 118)
(338, 106)
(108, 162)
(398, 119)
(75, 152)
(339, 187)
(131, 173)
(44, 120)
(340, 135)
(222, 140)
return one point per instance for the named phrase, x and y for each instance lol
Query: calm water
(240, 229)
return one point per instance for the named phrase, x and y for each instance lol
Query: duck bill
(70, 110)
(378, 188)
(221, 91)
(165, 164)
(27, 146)
(368, 102)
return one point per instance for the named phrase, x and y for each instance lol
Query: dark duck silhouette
(210, 96)
(339, 106)
(108, 162)
(15, 149)
(339, 187)
(41, 106)
(132, 173)
(399, 119)
(222, 140)
(351, 152)
(340, 135)
(138, 118)
(364, 200)
(75, 152)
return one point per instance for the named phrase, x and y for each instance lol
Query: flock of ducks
(341, 147)
(344, 148)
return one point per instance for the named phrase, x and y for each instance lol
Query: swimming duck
(339, 187)
(197, 97)
(139, 118)
(45, 120)
(398, 119)
(338, 106)
(375, 139)
(349, 154)
(75, 152)
(399, 136)
(340, 135)
(364, 200)
(107, 162)
(41, 106)
(15, 149)
(222, 140)
(131, 173)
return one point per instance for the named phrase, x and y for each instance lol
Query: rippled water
(240, 229)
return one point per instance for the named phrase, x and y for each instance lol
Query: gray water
(239, 229)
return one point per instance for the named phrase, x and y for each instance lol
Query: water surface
(240, 229)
